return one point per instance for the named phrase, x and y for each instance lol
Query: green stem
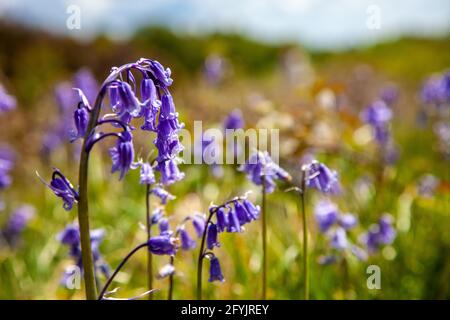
(201, 255)
(264, 241)
(170, 295)
(83, 207)
(149, 254)
(305, 239)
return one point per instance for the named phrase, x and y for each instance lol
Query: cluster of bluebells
(379, 234)
(335, 225)
(17, 222)
(7, 101)
(261, 169)
(66, 98)
(231, 217)
(378, 115)
(154, 105)
(70, 237)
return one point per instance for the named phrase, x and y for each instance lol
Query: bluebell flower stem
(149, 229)
(83, 207)
(305, 239)
(124, 261)
(264, 241)
(201, 255)
(170, 294)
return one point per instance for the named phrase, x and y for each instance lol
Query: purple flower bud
(326, 214)
(187, 242)
(215, 273)
(147, 176)
(164, 227)
(322, 178)
(70, 235)
(222, 219)
(122, 154)
(7, 157)
(234, 120)
(81, 119)
(163, 76)
(167, 107)
(211, 237)
(233, 221)
(7, 102)
(252, 210)
(62, 188)
(156, 216)
(162, 194)
(387, 232)
(199, 221)
(163, 245)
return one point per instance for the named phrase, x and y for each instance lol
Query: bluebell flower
(163, 245)
(234, 120)
(62, 188)
(260, 167)
(199, 221)
(382, 233)
(162, 194)
(347, 221)
(214, 69)
(17, 223)
(211, 237)
(156, 216)
(70, 236)
(147, 175)
(164, 227)
(222, 219)
(150, 105)
(320, 177)
(389, 94)
(377, 114)
(81, 119)
(7, 101)
(169, 172)
(233, 221)
(215, 272)
(187, 243)
(338, 239)
(162, 75)
(122, 154)
(326, 214)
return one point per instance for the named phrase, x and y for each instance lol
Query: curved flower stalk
(262, 171)
(230, 216)
(317, 176)
(154, 105)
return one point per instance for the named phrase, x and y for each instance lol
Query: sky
(320, 24)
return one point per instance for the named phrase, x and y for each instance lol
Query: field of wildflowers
(101, 196)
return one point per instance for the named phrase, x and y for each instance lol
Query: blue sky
(325, 24)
